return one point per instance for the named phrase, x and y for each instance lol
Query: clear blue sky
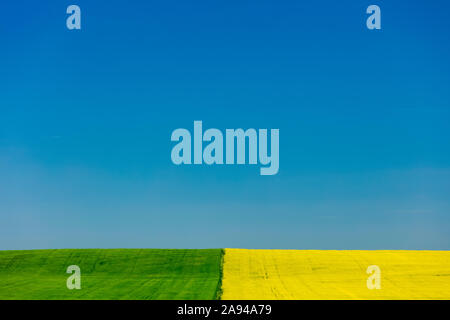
(86, 118)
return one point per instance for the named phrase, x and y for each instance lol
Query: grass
(111, 274)
(322, 274)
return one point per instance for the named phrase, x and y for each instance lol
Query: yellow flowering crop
(329, 274)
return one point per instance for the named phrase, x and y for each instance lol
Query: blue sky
(86, 118)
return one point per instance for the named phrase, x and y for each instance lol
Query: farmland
(111, 274)
(322, 274)
(156, 274)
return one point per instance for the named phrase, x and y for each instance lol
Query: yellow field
(323, 274)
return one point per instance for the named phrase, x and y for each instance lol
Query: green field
(111, 274)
